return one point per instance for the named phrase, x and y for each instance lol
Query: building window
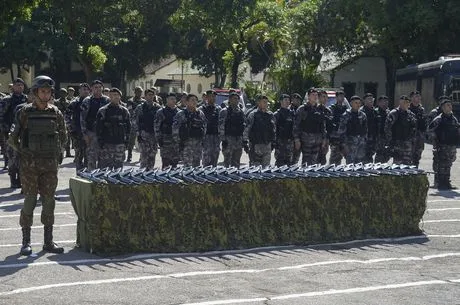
(349, 89)
(371, 88)
(200, 88)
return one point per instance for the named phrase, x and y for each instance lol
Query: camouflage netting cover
(189, 218)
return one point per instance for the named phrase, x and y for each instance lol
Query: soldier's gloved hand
(224, 144)
(160, 142)
(246, 146)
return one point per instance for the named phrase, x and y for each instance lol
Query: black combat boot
(130, 155)
(444, 183)
(436, 181)
(49, 245)
(26, 249)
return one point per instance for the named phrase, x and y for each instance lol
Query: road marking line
(444, 236)
(22, 203)
(37, 227)
(37, 244)
(440, 220)
(443, 200)
(445, 209)
(36, 214)
(237, 271)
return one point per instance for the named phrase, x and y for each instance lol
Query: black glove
(224, 144)
(246, 146)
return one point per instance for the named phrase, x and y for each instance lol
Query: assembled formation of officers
(37, 132)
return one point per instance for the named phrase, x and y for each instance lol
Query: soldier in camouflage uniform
(432, 137)
(3, 135)
(400, 129)
(296, 101)
(132, 104)
(88, 111)
(353, 128)
(70, 94)
(211, 142)
(16, 98)
(322, 105)
(310, 129)
(260, 133)
(381, 113)
(72, 120)
(284, 120)
(169, 148)
(188, 129)
(113, 126)
(38, 136)
(62, 103)
(231, 128)
(144, 126)
(371, 142)
(337, 144)
(419, 111)
(446, 129)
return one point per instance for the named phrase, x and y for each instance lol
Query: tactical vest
(447, 131)
(313, 122)
(114, 130)
(403, 127)
(337, 111)
(147, 117)
(262, 129)
(166, 125)
(355, 125)
(94, 105)
(380, 117)
(371, 121)
(193, 127)
(419, 112)
(285, 124)
(10, 104)
(234, 123)
(212, 115)
(41, 136)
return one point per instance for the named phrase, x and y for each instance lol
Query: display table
(115, 219)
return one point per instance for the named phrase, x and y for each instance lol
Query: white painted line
(443, 200)
(37, 214)
(21, 202)
(37, 244)
(440, 220)
(440, 210)
(37, 227)
(445, 236)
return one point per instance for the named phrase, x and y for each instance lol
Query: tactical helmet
(42, 81)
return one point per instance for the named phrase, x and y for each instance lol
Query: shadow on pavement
(446, 194)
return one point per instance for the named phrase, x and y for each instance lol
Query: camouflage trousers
(13, 161)
(284, 152)
(233, 151)
(310, 145)
(132, 140)
(435, 156)
(419, 146)
(369, 150)
(3, 138)
(381, 153)
(191, 153)
(148, 148)
(112, 156)
(169, 152)
(337, 152)
(296, 156)
(261, 154)
(447, 154)
(211, 149)
(322, 154)
(92, 151)
(79, 146)
(38, 176)
(355, 149)
(403, 152)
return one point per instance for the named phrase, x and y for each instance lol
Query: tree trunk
(391, 79)
(12, 72)
(86, 69)
(234, 70)
(18, 66)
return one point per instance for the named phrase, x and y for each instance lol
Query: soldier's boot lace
(26, 249)
(49, 245)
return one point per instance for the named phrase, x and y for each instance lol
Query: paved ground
(418, 270)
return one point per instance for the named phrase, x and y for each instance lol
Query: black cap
(211, 91)
(296, 95)
(70, 89)
(404, 97)
(233, 93)
(97, 82)
(283, 96)
(355, 98)
(414, 93)
(84, 85)
(368, 95)
(383, 97)
(445, 101)
(339, 92)
(262, 97)
(63, 90)
(151, 90)
(322, 92)
(312, 90)
(116, 90)
(19, 80)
